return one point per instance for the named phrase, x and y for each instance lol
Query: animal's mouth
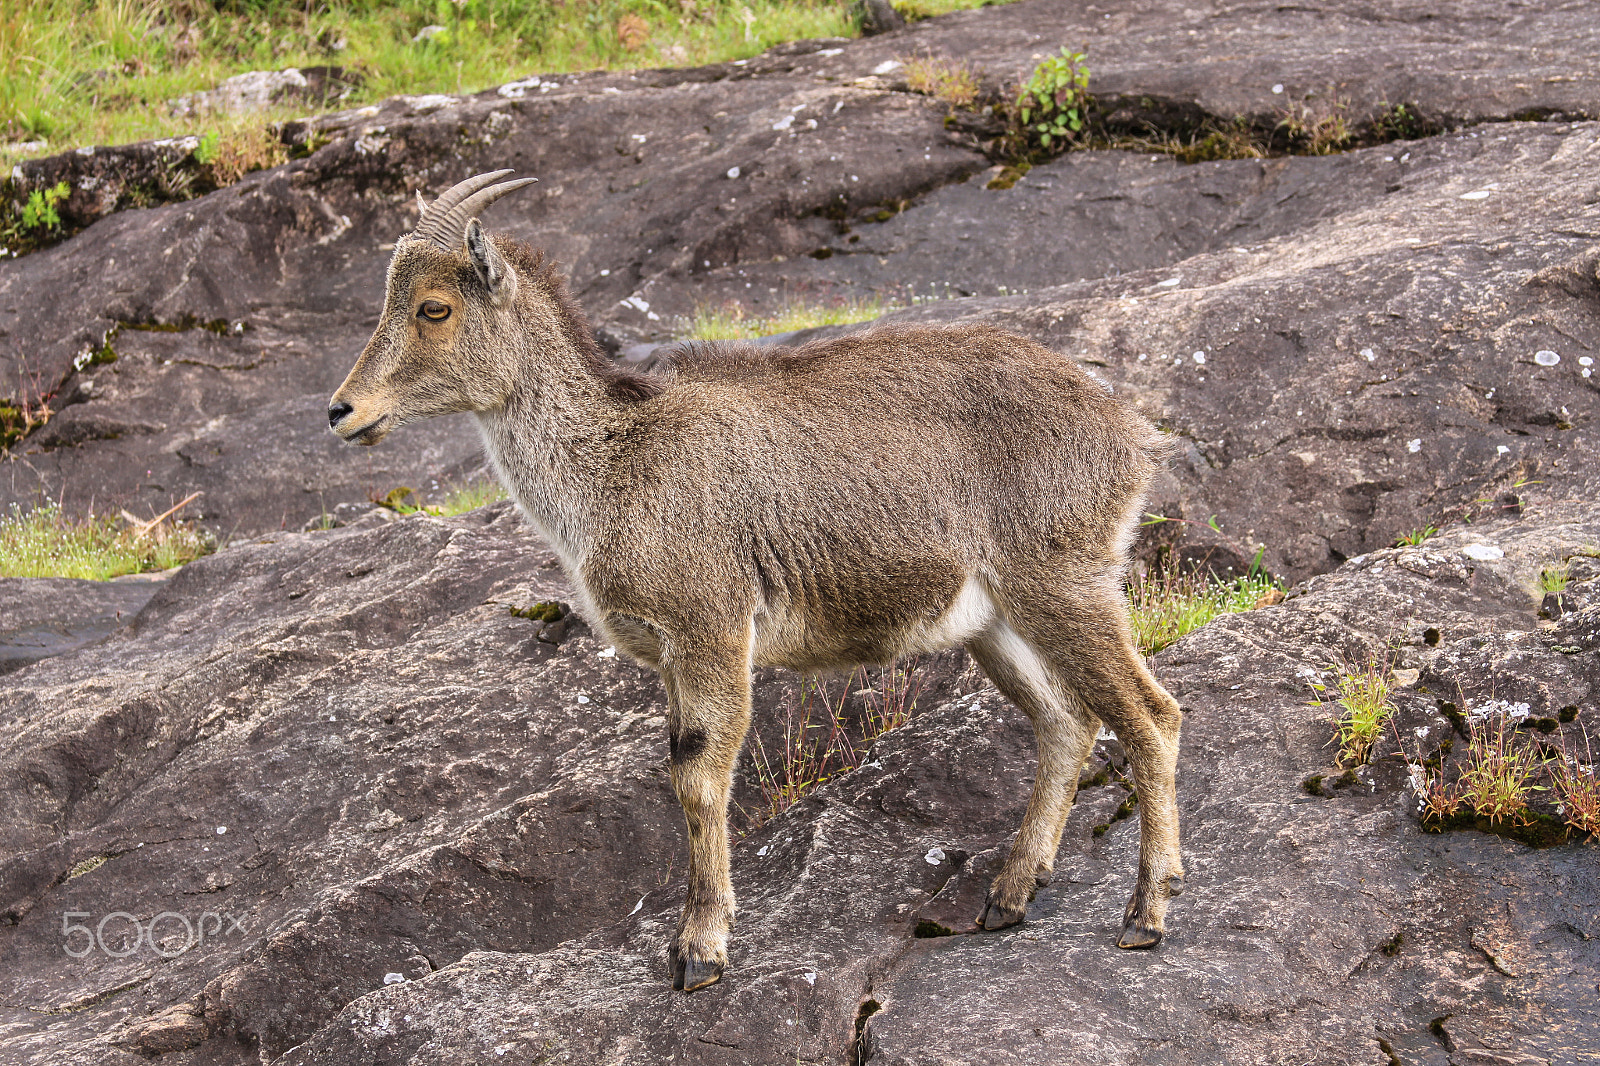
(367, 435)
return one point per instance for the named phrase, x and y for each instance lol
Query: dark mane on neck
(621, 383)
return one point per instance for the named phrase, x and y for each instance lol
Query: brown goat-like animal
(844, 502)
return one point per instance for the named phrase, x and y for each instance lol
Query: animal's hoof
(995, 916)
(1136, 936)
(692, 973)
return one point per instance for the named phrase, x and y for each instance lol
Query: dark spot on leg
(684, 746)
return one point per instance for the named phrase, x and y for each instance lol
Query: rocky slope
(366, 813)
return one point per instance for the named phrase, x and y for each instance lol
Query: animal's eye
(434, 311)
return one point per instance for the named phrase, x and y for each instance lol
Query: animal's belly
(812, 640)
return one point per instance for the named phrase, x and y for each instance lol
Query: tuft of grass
(103, 71)
(1497, 775)
(825, 735)
(1415, 537)
(45, 542)
(731, 321)
(1363, 693)
(1553, 579)
(1312, 132)
(1168, 603)
(950, 81)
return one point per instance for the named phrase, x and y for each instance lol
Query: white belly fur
(970, 613)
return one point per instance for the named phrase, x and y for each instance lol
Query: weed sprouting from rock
(950, 81)
(826, 735)
(1051, 108)
(1415, 537)
(1362, 691)
(1497, 775)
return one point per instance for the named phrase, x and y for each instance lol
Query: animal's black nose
(338, 411)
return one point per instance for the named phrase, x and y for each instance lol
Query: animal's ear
(493, 270)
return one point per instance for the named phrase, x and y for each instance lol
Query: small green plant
(205, 153)
(1363, 695)
(45, 542)
(1415, 537)
(1052, 106)
(1168, 603)
(40, 213)
(825, 736)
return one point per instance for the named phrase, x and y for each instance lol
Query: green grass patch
(456, 500)
(102, 71)
(732, 321)
(1167, 603)
(45, 542)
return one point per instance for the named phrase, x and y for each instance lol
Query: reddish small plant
(818, 740)
(1577, 789)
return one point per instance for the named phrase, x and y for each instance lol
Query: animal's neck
(550, 443)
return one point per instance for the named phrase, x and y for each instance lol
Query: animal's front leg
(708, 694)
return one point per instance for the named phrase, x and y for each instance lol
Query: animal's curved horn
(445, 220)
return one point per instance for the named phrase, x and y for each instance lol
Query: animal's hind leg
(1064, 732)
(1083, 633)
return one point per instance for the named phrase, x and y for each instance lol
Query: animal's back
(969, 416)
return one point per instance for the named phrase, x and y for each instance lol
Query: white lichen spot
(1169, 283)
(1511, 712)
(1483, 552)
(1476, 194)
(222, 830)
(733, 172)
(783, 123)
(762, 850)
(608, 653)
(810, 976)
(1502, 450)
(886, 66)
(934, 857)
(1200, 357)
(1277, 90)
(1584, 360)
(636, 907)
(582, 698)
(605, 273)
(394, 978)
(1368, 354)
(1414, 445)
(1545, 357)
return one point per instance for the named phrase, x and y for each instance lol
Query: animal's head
(447, 313)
